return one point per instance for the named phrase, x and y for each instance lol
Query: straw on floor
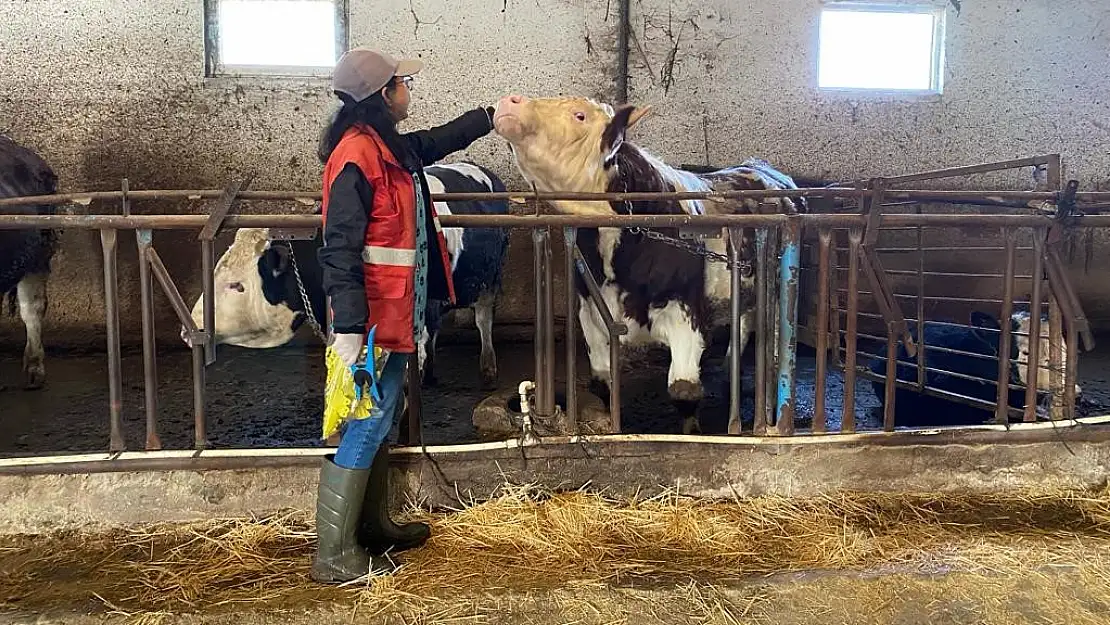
(527, 541)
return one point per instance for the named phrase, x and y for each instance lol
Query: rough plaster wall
(105, 91)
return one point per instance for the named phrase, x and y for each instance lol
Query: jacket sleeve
(340, 256)
(435, 143)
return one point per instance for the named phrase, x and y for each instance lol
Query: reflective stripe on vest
(377, 255)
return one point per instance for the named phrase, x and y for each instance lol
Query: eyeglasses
(408, 80)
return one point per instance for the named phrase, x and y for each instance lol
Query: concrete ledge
(42, 494)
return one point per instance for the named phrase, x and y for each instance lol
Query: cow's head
(252, 303)
(565, 144)
(1019, 346)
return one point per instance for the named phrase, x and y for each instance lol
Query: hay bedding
(525, 541)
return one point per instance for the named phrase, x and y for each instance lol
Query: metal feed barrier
(778, 296)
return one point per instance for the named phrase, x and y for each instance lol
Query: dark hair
(373, 112)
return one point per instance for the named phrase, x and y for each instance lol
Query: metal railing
(777, 294)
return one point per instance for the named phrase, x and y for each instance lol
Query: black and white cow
(953, 354)
(662, 293)
(259, 281)
(25, 254)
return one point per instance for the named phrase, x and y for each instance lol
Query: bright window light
(282, 33)
(867, 47)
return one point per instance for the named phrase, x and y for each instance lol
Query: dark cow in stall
(25, 254)
(662, 293)
(261, 285)
(979, 346)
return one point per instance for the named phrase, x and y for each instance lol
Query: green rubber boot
(339, 557)
(377, 531)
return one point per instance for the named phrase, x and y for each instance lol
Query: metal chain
(745, 265)
(312, 321)
(693, 248)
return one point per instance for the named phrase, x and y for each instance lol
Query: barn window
(890, 47)
(274, 37)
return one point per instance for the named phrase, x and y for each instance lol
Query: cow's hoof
(34, 379)
(685, 390)
(489, 380)
(691, 425)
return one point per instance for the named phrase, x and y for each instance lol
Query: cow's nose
(516, 99)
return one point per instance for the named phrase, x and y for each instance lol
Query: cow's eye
(580, 116)
(236, 286)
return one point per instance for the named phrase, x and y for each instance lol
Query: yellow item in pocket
(340, 402)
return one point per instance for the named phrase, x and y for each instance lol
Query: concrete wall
(108, 90)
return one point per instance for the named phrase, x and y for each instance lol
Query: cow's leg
(31, 294)
(433, 321)
(597, 347)
(483, 319)
(673, 326)
(747, 325)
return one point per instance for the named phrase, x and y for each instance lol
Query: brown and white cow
(664, 294)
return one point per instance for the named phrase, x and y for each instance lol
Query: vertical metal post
(1055, 336)
(144, 239)
(1032, 367)
(761, 316)
(615, 380)
(549, 323)
(108, 238)
(1002, 409)
(200, 419)
(848, 420)
(891, 376)
(822, 332)
(570, 240)
(207, 262)
(920, 306)
(834, 302)
(1071, 370)
(544, 395)
(734, 374)
(789, 270)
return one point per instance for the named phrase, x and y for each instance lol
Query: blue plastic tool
(365, 373)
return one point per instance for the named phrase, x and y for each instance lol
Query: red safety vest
(389, 253)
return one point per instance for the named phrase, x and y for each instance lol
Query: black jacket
(349, 205)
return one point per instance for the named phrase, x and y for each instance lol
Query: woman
(383, 255)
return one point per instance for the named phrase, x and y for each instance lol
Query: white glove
(348, 347)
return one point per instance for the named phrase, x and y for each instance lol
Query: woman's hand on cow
(348, 347)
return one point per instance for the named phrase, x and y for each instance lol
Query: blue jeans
(362, 437)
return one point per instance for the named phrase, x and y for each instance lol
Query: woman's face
(397, 96)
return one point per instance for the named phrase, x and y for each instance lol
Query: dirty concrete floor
(272, 398)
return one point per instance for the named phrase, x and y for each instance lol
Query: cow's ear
(613, 138)
(985, 327)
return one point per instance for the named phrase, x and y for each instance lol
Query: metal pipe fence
(779, 238)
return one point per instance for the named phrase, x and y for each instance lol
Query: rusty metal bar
(200, 419)
(1072, 305)
(933, 392)
(834, 307)
(762, 362)
(735, 380)
(197, 339)
(208, 284)
(189, 222)
(1002, 412)
(848, 419)
(968, 170)
(549, 323)
(108, 239)
(570, 240)
(1032, 365)
(1055, 366)
(941, 298)
(822, 332)
(616, 330)
(310, 197)
(144, 240)
(545, 395)
(891, 376)
(942, 248)
(953, 274)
